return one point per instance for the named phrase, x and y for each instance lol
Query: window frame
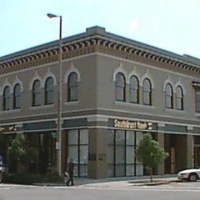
(179, 98)
(120, 87)
(169, 96)
(134, 89)
(49, 91)
(72, 86)
(17, 96)
(36, 93)
(6, 98)
(147, 92)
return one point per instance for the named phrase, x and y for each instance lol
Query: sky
(172, 25)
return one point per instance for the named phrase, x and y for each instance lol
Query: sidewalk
(127, 181)
(120, 181)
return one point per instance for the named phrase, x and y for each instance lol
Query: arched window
(36, 93)
(168, 96)
(134, 89)
(120, 87)
(49, 91)
(147, 92)
(72, 87)
(17, 97)
(179, 98)
(6, 98)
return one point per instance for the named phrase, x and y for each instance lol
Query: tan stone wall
(97, 153)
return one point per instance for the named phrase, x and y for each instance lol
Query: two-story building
(114, 90)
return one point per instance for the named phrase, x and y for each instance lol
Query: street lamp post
(59, 99)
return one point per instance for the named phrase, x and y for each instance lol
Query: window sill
(134, 105)
(71, 103)
(11, 111)
(42, 107)
(175, 110)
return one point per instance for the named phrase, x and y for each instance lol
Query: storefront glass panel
(121, 153)
(78, 150)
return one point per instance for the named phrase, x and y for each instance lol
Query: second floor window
(147, 92)
(6, 98)
(168, 96)
(120, 87)
(134, 90)
(179, 98)
(72, 87)
(36, 93)
(49, 91)
(17, 97)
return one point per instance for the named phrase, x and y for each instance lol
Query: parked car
(189, 174)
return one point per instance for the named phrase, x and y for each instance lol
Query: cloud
(134, 24)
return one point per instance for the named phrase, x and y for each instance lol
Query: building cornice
(95, 39)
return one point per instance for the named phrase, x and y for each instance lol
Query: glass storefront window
(110, 154)
(130, 154)
(83, 154)
(73, 153)
(139, 137)
(73, 137)
(120, 155)
(139, 169)
(84, 136)
(130, 169)
(119, 170)
(121, 149)
(120, 138)
(78, 150)
(130, 138)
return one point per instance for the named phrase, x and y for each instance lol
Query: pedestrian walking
(70, 172)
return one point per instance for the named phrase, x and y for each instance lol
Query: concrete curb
(154, 182)
(125, 181)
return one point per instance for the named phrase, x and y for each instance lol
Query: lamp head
(50, 15)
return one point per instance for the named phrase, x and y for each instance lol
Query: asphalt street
(105, 190)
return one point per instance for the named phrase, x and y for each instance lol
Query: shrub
(20, 152)
(30, 179)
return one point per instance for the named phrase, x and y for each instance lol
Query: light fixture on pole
(59, 98)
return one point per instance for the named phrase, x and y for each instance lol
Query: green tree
(150, 154)
(20, 152)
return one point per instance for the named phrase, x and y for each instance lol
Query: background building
(114, 90)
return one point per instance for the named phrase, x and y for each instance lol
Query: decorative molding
(118, 70)
(105, 43)
(97, 118)
(48, 74)
(179, 83)
(134, 73)
(6, 83)
(16, 81)
(71, 70)
(170, 81)
(148, 76)
(190, 128)
(34, 78)
(161, 125)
